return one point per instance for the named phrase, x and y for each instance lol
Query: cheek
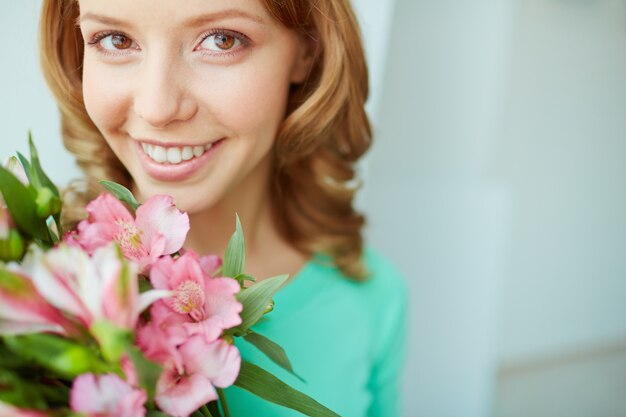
(105, 99)
(252, 99)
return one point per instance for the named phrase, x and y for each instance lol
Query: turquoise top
(345, 339)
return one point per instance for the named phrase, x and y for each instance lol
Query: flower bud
(12, 248)
(13, 165)
(270, 307)
(48, 204)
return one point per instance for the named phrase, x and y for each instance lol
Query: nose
(161, 95)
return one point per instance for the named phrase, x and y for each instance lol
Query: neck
(267, 252)
(212, 228)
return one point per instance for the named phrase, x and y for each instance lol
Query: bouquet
(115, 318)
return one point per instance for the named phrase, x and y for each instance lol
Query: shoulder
(387, 304)
(384, 278)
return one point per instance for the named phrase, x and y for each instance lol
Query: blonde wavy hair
(325, 131)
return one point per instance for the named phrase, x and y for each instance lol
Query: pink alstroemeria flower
(23, 310)
(206, 365)
(158, 229)
(204, 305)
(101, 287)
(106, 396)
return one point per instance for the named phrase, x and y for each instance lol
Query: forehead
(172, 12)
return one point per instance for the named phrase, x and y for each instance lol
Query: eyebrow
(195, 21)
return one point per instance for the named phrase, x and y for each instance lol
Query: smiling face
(190, 97)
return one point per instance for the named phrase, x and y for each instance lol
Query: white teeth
(187, 153)
(173, 155)
(159, 154)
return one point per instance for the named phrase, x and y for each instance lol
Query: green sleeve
(387, 369)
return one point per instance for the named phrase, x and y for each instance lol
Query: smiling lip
(174, 172)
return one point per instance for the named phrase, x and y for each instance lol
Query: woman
(252, 107)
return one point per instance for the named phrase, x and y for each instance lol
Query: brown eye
(221, 42)
(113, 42)
(121, 41)
(224, 41)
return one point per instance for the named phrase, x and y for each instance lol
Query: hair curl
(325, 132)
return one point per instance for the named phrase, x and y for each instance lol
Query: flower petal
(221, 301)
(218, 361)
(108, 209)
(67, 279)
(107, 396)
(181, 396)
(23, 310)
(159, 215)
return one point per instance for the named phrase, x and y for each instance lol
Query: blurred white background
(497, 183)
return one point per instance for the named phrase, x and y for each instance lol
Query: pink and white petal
(131, 405)
(187, 267)
(162, 314)
(146, 299)
(129, 370)
(14, 328)
(160, 272)
(108, 209)
(184, 277)
(210, 329)
(159, 215)
(22, 305)
(218, 361)
(210, 264)
(92, 236)
(155, 346)
(118, 286)
(153, 251)
(159, 341)
(57, 275)
(220, 301)
(98, 393)
(179, 397)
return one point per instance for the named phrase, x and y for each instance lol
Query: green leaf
(64, 357)
(156, 413)
(21, 204)
(148, 372)
(113, 340)
(213, 409)
(38, 171)
(255, 300)
(265, 385)
(272, 350)
(121, 193)
(235, 257)
(26, 166)
(19, 392)
(242, 278)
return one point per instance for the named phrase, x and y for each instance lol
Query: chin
(188, 199)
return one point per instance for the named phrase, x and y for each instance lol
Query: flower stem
(222, 397)
(204, 410)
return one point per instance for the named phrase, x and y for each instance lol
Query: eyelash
(243, 39)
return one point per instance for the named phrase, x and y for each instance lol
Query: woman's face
(189, 95)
